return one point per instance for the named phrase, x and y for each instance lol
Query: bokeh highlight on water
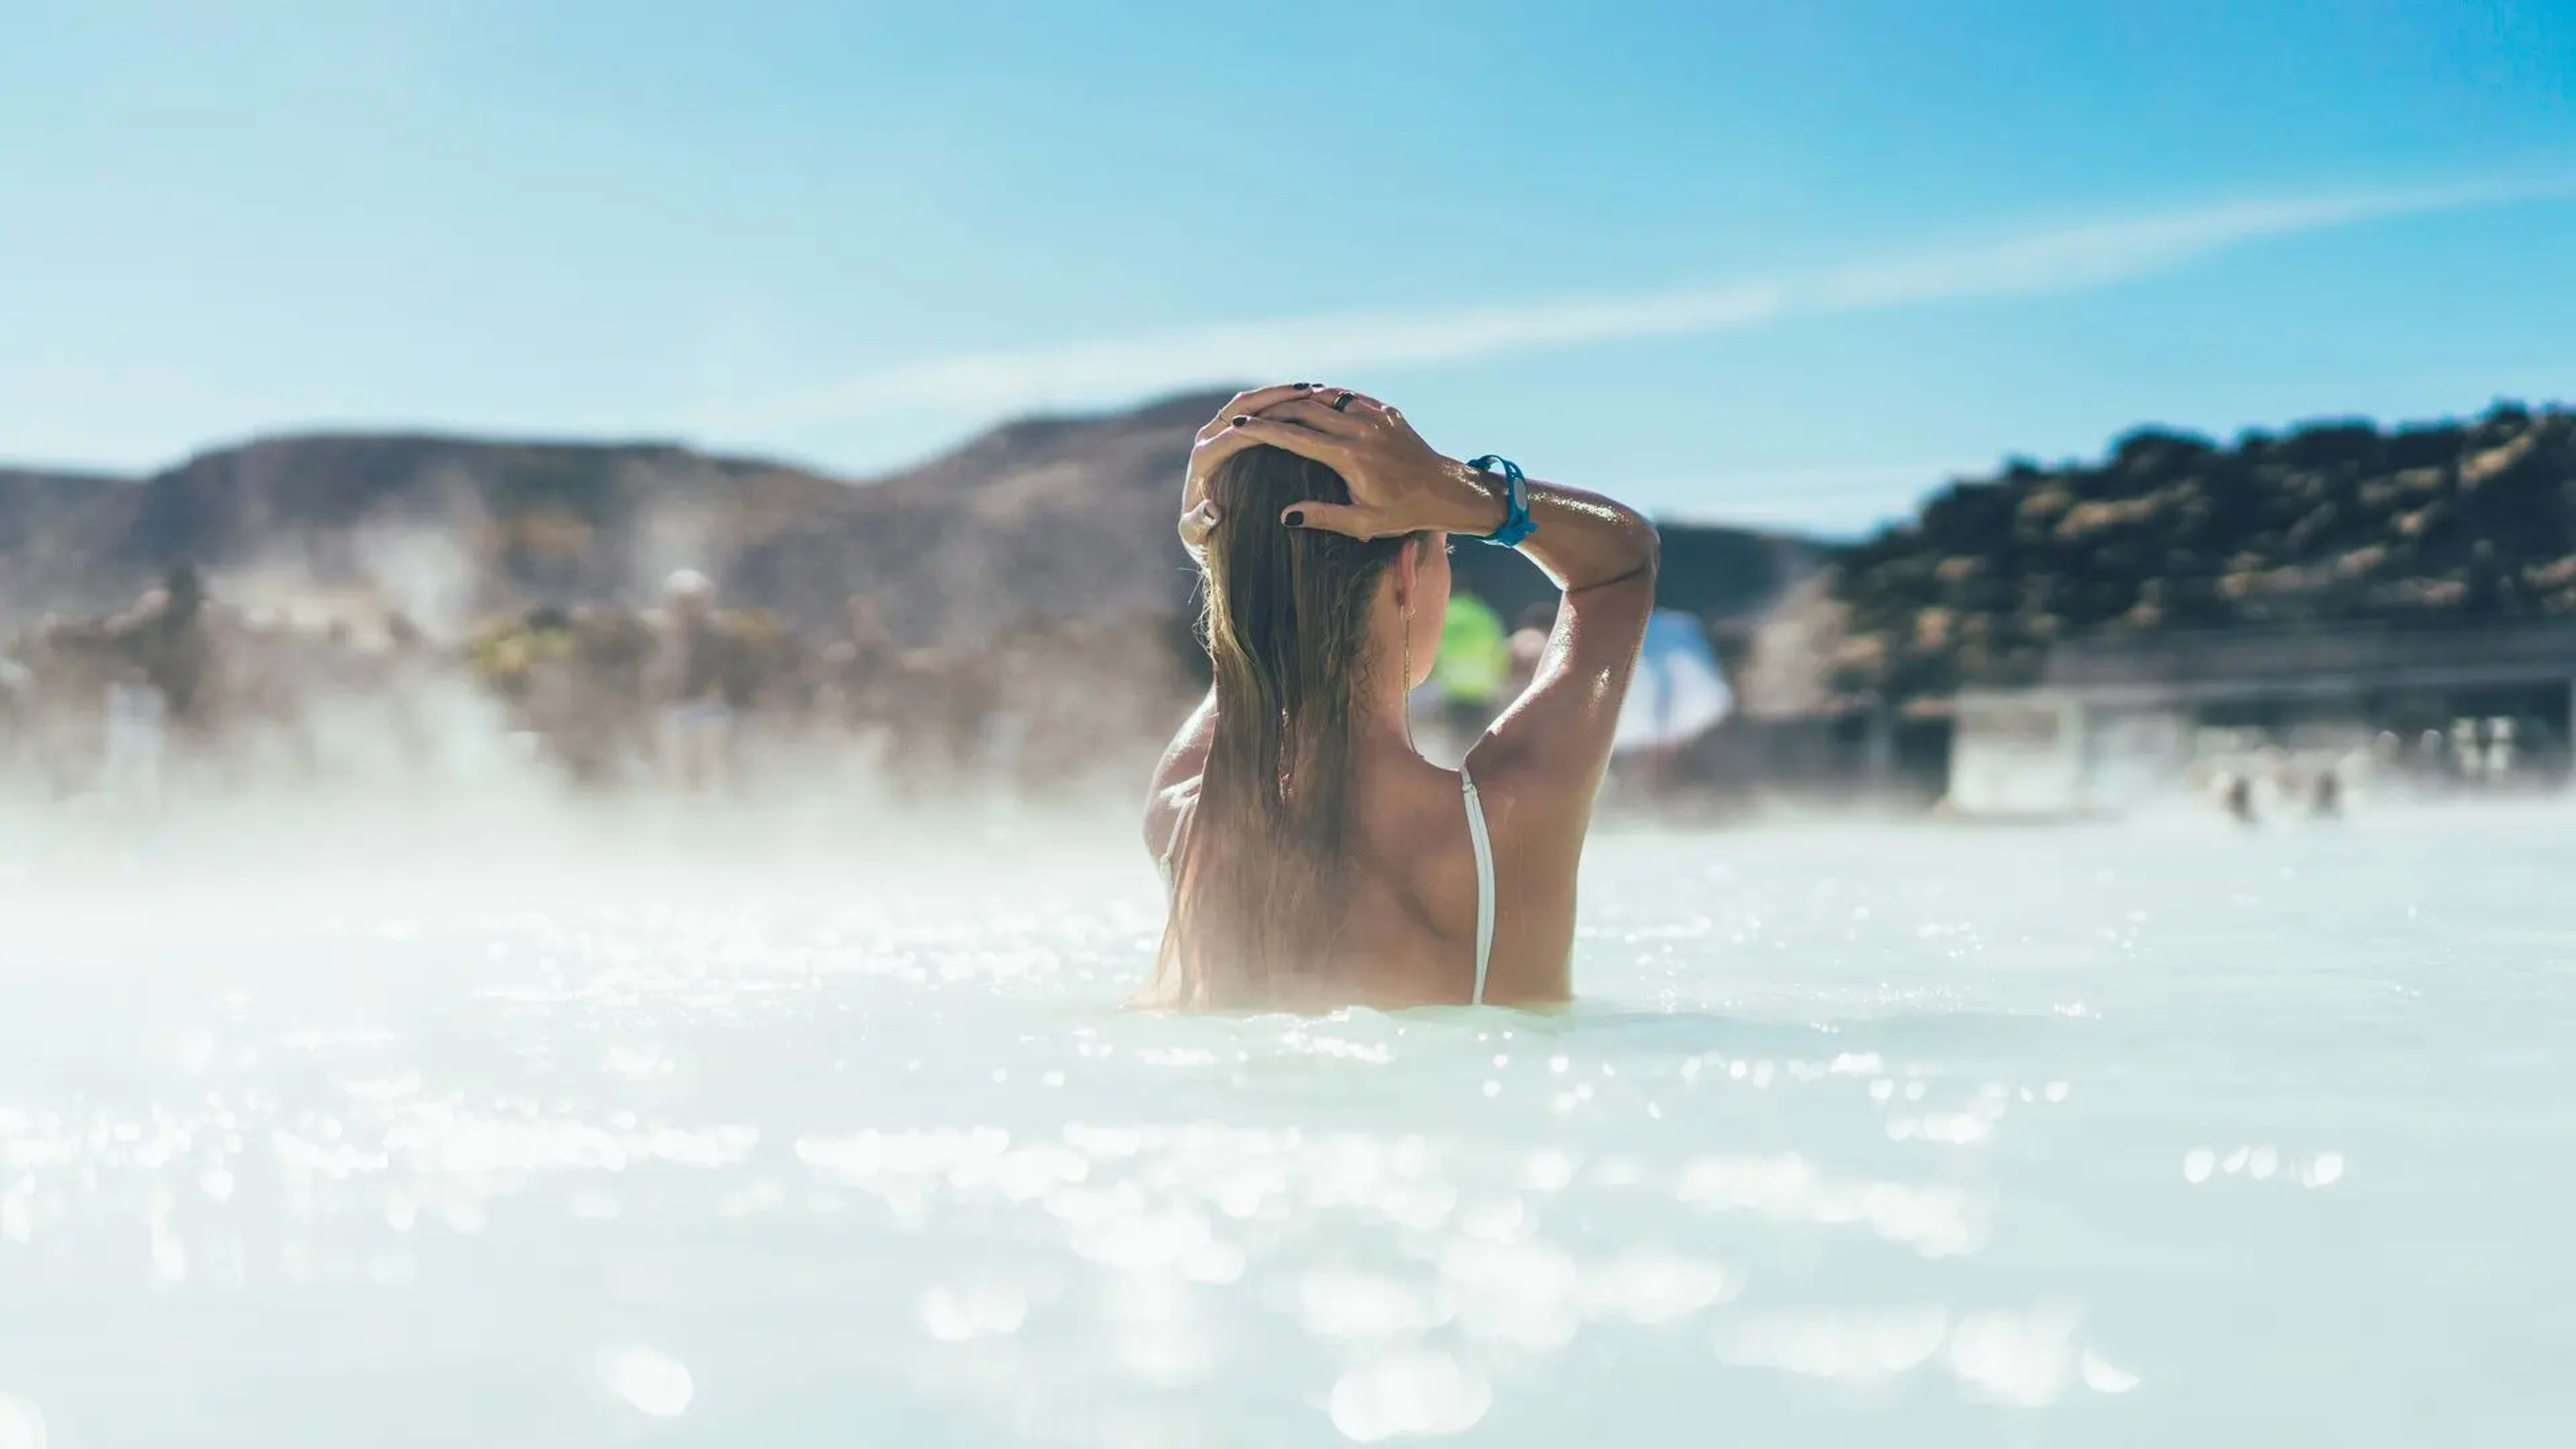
(1859, 1135)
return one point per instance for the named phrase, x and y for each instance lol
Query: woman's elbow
(1645, 546)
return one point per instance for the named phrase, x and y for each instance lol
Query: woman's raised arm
(1546, 755)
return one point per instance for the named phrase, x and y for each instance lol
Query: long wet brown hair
(1258, 885)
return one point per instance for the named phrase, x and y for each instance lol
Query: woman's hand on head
(1217, 442)
(1399, 483)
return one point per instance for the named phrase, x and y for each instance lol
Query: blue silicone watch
(1516, 516)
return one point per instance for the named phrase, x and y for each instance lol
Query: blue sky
(1794, 262)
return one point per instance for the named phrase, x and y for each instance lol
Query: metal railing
(2255, 659)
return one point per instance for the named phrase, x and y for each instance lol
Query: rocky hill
(1058, 517)
(2333, 524)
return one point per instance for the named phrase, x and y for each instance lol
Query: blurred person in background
(17, 685)
(1315, 859)
(854, 667)
(1678, 695)
(155, 664)
(1528, 646)
(1474, 665)
(2325, 794)
(2236, 797)
(941, 705)
(686, 685)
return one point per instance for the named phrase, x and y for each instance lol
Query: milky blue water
(1905, 1135)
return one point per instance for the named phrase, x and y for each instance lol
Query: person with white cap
(687, 685)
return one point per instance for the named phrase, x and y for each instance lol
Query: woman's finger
(1311, 411)
(1296, 438)
(1348, 520)
(1344, 400)
(1268, 401)
(1254, 400)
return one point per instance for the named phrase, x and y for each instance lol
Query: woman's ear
(1404, 558)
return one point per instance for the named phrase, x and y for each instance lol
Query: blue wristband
(1516, 515)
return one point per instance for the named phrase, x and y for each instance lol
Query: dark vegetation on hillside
(2332, 525)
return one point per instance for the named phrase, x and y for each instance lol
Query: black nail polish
(1301, 386)
(1296, 518)
(1242, 418)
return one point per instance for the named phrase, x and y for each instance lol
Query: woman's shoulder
(1419, 846)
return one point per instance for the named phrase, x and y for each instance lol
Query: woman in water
(1315, 859)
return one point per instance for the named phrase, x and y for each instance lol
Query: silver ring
(1342, 400)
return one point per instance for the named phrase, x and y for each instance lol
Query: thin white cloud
(2063, 258)
(1849, 498)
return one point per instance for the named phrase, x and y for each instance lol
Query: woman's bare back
(1409, 937)
(1406, 890)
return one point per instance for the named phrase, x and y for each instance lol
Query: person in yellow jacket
(1475, 663)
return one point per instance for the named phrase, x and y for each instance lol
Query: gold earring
(1404, 694)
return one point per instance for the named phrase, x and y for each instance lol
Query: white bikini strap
(1484, 881)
